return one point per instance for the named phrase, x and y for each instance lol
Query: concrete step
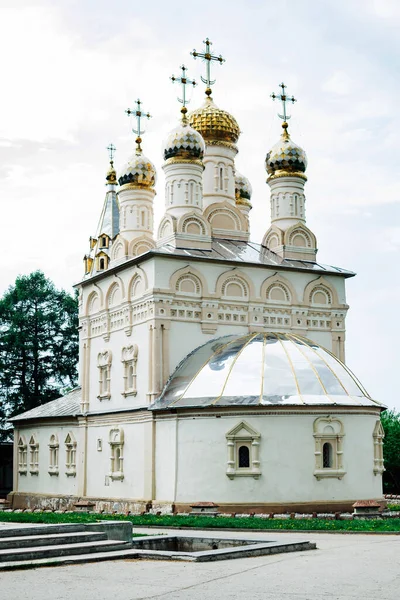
(45, 552)
(57, 539)
(69, 560)
(40, 529)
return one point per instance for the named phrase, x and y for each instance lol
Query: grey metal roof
(109, 218)
(66, 406)
(264, 369)
(248, 252)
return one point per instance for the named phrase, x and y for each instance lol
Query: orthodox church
(211, 366)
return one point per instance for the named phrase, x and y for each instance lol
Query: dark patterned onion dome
(139, 171)
(285, 158)
(243, 190)
(184, 142)
(214, 124)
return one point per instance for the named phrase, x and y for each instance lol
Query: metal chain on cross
(284, 98)
(184, 81)
(208, 58)
(139, 114)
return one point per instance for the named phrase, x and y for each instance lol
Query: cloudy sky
(70, 68)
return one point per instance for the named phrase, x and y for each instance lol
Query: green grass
(204, 522)
(393, 506)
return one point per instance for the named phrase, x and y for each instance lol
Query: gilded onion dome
(243, 190)
(111, 177)
(184, 142)
(286, 158)
(139, 172)
(214, 124)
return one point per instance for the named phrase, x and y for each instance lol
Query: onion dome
(111, 177)
(243, 190)
(214, 124)
(139, 171)
(184, 142)
(262, 369)
(286, 158)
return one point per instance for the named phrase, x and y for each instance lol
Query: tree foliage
(38, 344)
(391, 451)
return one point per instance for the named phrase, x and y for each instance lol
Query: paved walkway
(344, 567)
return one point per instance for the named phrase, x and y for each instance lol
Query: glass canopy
(262, 369)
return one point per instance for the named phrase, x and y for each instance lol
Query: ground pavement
(345, 567)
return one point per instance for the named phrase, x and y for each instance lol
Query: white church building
(211, 366)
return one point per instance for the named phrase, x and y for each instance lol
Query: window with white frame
(378, 436)
(116, 441)
(129, 360)
(33, 456)
(243, 451)
(22, 456)
(328, 436)
(104, 359)
(53, 454)
(70, 455)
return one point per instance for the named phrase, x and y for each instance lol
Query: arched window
(243, 457)
(129, 360)
(101, 264)
(33, 456)
(143, 218)
(116, 441)
(104, 365)
(295, 204)
(53, 457)
(221, 179)
(22, 456)
(70, 455)
(103, 242)
(327, 456)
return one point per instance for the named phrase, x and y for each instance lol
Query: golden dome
(286, 158)
(214, 124)
(111, 177)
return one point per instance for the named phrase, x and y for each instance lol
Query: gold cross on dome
(139, 114)
(208, 58)
(111, 151)
(184, 81)
(284, 98)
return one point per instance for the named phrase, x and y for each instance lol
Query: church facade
(211, 367)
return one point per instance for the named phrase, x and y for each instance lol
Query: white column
(287, 201)
(219, 174)
(183, 187)
(136, 212)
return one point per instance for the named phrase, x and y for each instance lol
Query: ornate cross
(139, 114)
(283, 98)
(184, 81)
(208, 58)
(111, 151)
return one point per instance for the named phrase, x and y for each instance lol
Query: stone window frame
(33, 455)
(116, 442)
(54, 454)
(104, 360)
(243, 435)
(129, 357)
(378, 436)
(70, 454)
(328, 430)
(22, 456)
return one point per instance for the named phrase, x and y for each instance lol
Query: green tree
(391, 451)
(38, 344)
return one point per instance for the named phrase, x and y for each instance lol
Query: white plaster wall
(165, 460)
(45, 483)
(286, 455)
(99, 484)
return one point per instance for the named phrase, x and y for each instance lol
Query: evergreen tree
(391, 451)
(38, 344)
